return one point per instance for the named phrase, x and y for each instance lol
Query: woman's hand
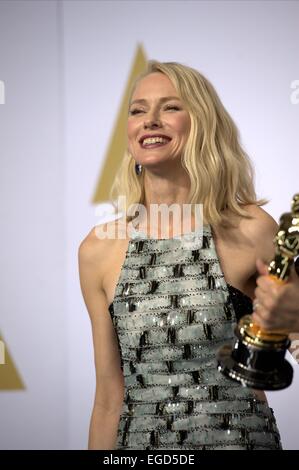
(276, 306)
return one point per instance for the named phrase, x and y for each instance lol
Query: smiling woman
(162, 307)
(177, 102)
(162, 104)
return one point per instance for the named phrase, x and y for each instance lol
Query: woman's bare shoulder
(92, 245)
(258, 222)
(256, 230)
(261, 229)
(100, 238)
(261, 222)
(95, 254)
(100, 246)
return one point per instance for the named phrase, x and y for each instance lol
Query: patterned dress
(172, 311)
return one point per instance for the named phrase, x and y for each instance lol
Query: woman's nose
(152, 121)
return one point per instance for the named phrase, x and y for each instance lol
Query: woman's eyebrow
(165, 98)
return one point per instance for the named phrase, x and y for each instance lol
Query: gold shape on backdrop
(118, 140)
(10, 378)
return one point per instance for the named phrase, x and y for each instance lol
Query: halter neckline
(197, 233)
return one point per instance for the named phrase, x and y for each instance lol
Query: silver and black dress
(172, 311)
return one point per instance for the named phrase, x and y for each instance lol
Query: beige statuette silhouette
(117, 144)
(10, 378)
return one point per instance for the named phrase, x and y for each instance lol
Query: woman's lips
(156, 144)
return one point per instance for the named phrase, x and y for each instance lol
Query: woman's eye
(135, 111)
(172, 107)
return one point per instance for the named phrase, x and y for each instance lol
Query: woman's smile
(157, 112)
(152, 145)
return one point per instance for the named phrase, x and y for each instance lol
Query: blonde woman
(161, 307)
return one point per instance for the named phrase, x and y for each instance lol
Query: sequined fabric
(172, 311)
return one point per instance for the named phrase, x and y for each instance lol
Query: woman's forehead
(155, 83)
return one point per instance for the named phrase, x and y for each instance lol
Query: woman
(162, 307)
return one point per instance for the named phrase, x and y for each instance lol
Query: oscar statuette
(257, 358)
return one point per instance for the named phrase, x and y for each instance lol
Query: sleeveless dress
(172, 311)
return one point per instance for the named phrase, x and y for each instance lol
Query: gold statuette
(257, 358)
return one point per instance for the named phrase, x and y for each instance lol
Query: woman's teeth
(154, 140)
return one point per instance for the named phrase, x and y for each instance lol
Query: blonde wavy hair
(221, 174)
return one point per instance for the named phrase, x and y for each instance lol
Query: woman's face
(157, 115)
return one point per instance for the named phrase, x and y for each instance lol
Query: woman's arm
(109, 377)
